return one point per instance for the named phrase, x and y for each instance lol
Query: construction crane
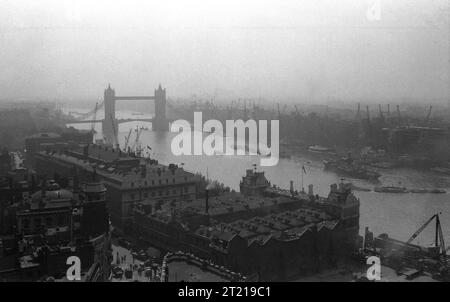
(439, 237)
(127, 140)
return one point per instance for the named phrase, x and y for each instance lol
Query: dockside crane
(368, 116)
(137, 144)
(439, 237)
(255, 110)
(127, 140)
(245, 110)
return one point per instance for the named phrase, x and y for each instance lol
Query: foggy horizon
(308, 51)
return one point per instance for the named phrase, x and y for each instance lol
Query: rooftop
(143, 171)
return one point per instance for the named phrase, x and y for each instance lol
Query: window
(132, 196)
(145, 194)
(153, 193)
(160, 181)
(153, 182)
(160, 193)
(185, 189)
(174, 180)
(49, 222)
(167, 181)
(132, 184)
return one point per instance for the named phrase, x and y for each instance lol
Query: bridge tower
(109, 124)
(160, 122)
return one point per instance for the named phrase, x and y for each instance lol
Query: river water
(399, 215)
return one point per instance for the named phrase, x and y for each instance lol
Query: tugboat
(346, 166)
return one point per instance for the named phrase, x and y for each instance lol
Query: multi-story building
(277, 234)
(55, 141)
(128, 179)
(54, 224)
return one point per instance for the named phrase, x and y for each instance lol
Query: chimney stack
(291, 188)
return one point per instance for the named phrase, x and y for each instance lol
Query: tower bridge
(110, 124)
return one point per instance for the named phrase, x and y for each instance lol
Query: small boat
(433, 191)
(419, 191)
(391, 189)
(321, 149)
(438, 191)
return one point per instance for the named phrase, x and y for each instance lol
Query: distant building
(55, 141)
(410, 139)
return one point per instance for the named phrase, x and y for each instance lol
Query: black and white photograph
(236, 143)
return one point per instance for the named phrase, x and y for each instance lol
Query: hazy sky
(310, 50)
